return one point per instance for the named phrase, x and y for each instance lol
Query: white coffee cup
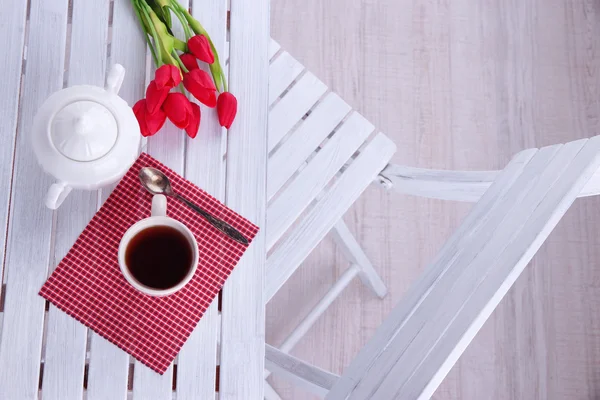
(158, 218)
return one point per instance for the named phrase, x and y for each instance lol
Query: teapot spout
(115, 78)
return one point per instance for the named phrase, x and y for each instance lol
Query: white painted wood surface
(310, 377)
(282, 72)
(292, 154)
(243, 310)
(109, 365)
(303, 189)
(453, 185)
(424, 336)
(30, 229)
(356, 255)
(10, 87)
(296, 102)
(196, 367)
(66, 338)
(313, 227)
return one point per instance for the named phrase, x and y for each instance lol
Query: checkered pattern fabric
(89, 286)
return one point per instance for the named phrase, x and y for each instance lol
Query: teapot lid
(83, 130)
(86, 136)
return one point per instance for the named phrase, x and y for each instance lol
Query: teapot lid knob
(84, 130)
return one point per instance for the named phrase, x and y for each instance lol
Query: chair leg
(298, 372)
(355, 254)
(270, 393)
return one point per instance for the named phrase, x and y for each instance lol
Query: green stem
(145, 8)
(179, 45)
(181, 64)
(146, 34)
(183, 21)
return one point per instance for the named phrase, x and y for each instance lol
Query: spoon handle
(217, 223)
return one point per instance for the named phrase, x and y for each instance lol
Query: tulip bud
(200, 85)
(200, 48)
(179, 110)
(149, 123)
(226, 109)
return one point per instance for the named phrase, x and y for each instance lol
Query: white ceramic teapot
(86, 137)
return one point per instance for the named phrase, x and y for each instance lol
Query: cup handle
(159, 206)
(57, 193)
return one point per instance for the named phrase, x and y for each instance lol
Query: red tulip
(189, 61)
(179, 110)
(226, 109)
(200, 84)
(200, 47)
(168, 75)
(194, 125)
(149, 123)
(155, 96)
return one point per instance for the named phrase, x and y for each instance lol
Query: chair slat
(28, 247)
(292, 107)
(282, 72)
(109, 365)
(313, 227)
(304, 141)
(66, 338)
(288, 206)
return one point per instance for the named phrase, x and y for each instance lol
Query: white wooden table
(44, 352)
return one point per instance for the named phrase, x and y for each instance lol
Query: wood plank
(282, 72)
(109, 365)
(196, 366)
(292, 107)
(66, 338)
(454, 185)
(305, 140)
(313, 227)
(14, 38)
(305, 187)
(31, 221)
(243, 310)
(298, 372)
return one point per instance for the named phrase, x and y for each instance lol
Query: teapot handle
(57, 193)
(115, 78)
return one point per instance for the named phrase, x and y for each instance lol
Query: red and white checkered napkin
(89, 286)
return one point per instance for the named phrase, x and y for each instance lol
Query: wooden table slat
(109, 365)
(243, 311)
(66, 338)
(196, 367)
(29, 241)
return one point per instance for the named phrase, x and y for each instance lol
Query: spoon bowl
(156, 182)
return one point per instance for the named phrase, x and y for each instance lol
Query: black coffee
(159, 257)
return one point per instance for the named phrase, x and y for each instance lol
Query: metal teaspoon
(157, 183)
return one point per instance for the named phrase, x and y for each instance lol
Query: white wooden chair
(424, 335)
(322, 157)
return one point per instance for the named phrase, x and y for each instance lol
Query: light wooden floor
(458, 84)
